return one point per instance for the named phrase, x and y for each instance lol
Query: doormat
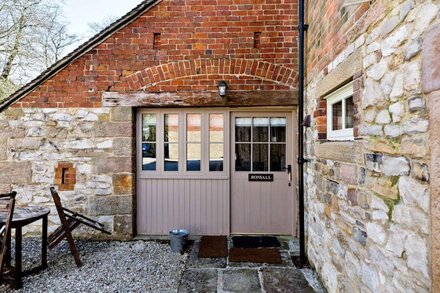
(213, 247)
(256, 255)
(255, 241)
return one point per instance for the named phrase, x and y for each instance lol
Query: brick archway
(192, 68)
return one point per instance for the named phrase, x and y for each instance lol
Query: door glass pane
(243, 157)
(216, 157)
(216, 127)
(171, 157)
(193, 157)
(243, 129)
(261, 129)
(193, 127)
(277, 157)
(349, 112)
(337, 115)
(149, 156)
(278, 129)
(171, 128)
(149, 127)
(260, 157)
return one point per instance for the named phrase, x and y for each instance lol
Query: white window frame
(204, 173)
(341, 94)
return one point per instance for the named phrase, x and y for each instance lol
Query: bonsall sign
(261, 177)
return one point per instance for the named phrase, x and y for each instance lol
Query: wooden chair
(7, 204)
(70, 220)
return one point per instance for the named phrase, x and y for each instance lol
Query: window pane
(171, 157)
(261, 129)
(216, 157)
(216, 127)
(193, 127)
(243, 129)
(149, 127)
(149, 156)
(193, 157)
(337, 115)
(171, 128)
(277, 157)
(349, 112)
(243, 157)
(278, 129)
(260, 157)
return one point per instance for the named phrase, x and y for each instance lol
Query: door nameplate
(261, 177)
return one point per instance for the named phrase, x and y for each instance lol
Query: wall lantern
(222, 87)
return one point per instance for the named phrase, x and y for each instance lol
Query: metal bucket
(178, 238)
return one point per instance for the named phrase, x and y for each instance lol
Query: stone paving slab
(284, 280)
(199, 280)
(240, 280)
(220, 275)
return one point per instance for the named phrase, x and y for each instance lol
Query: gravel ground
(138, 266)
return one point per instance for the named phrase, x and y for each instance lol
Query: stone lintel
(344, 151)
(200, 99)
(342, 73)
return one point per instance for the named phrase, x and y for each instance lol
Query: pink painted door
(262, 174)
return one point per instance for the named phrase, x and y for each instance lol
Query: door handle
(289, 172)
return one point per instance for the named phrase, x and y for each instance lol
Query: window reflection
(216, 157)
(216, 142)
(278, 129)
(243, 157)
(194, 145)
(349, 112)
(243, 127)
(216, 127)
(260, 159)
(266, 151)
(149, 127)
(149, 156)
(337, 115)
(277, 157)
(260, 129)
(171, 131)
(193, 127)
(171, 145)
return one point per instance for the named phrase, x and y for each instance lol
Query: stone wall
(368, 200)
(97, 144)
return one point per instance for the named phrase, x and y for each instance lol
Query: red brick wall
(193, 31)
(331, 28)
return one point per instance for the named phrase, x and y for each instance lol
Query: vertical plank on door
(199, 205)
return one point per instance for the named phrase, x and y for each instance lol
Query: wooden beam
(199, 99)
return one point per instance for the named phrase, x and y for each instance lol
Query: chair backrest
(7, 204)
(58, 205)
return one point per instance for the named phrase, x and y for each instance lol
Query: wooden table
(21, 218)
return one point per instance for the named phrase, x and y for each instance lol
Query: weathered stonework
(99, 152)
(368, 214)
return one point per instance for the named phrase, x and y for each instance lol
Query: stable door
(262, 186)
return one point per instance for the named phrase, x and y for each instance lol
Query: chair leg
(73, 248)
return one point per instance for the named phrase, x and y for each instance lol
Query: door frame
(228, 111)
